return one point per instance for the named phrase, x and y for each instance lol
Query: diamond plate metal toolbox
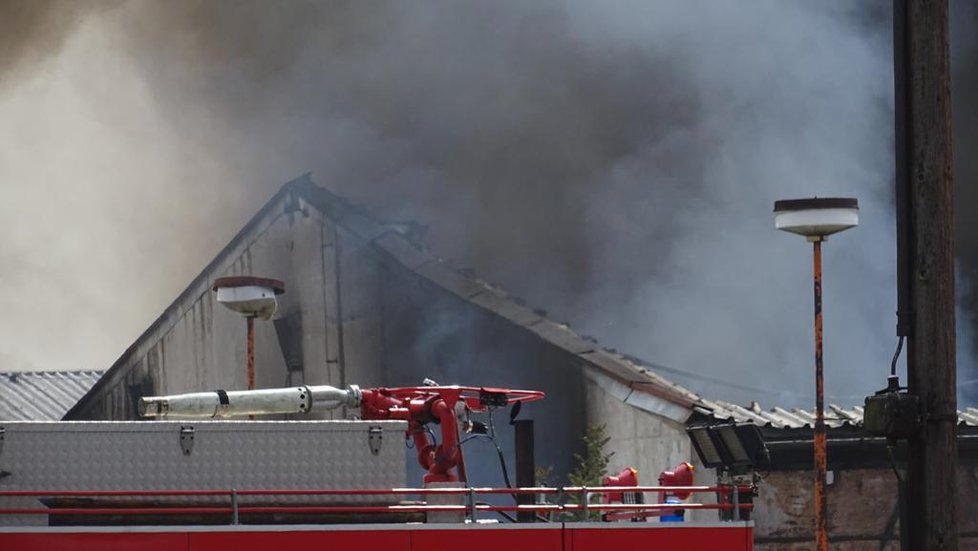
(200, 455)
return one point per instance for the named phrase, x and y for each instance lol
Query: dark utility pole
(925, 221)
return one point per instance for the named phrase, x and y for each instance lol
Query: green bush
(590, 468)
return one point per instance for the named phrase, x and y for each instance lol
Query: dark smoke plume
(614, 163)
(31, 31)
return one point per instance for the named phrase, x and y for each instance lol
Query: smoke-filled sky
(612, 162)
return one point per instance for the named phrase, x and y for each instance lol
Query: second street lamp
(816, 219)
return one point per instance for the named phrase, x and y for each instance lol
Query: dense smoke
(614, 163)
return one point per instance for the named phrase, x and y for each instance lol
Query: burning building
(364, 303)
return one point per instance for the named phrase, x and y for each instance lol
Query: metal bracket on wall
(375, 438)
(187, 439)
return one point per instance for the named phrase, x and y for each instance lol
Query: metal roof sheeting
(42, 395)
(796, 418)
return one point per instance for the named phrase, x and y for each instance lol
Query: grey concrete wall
(643, 440)
(639, 439)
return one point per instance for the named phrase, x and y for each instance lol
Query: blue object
(679, 515)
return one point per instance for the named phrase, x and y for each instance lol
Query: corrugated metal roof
(796, 418)
(42, 395)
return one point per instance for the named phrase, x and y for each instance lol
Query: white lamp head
(818, 217)
(250, 296)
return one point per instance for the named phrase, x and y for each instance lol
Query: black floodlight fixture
(745, 444)
(749, 435)
(704, 446)
(731, 441)
(731, 445)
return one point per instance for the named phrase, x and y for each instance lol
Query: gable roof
(42, 395)
(398, 243)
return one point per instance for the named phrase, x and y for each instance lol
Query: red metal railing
(728, 501)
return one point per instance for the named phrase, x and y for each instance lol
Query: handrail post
(234, 506)
(472, 504)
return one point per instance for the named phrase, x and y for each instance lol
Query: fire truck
(196, 480)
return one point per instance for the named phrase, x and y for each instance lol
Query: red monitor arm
(436, 404)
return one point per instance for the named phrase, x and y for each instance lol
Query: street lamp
(252, 297)
(816, 219)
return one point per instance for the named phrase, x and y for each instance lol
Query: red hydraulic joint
(441, 405)
(418, 411)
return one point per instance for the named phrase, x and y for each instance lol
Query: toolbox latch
(187, 439)
(375, 438)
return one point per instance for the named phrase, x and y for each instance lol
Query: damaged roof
(796, 418)
(398, 244)
(42, 395)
